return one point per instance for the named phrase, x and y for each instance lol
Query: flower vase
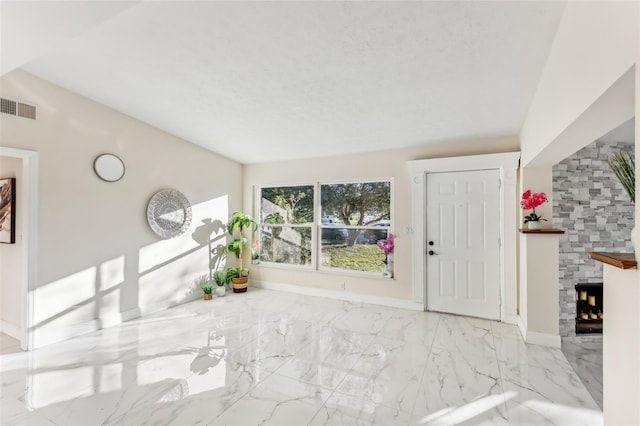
(534, 225)
(388, 270)
(220, 291)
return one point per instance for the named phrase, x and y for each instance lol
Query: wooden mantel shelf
(542, 231)
(619, 260)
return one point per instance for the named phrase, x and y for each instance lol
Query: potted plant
(387, 247)
(235, 277)
(207, 289)
(239, 224)
(532, 200)
(220, 277)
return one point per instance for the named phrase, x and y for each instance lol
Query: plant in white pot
(530, 201)
(220, 277)
(238, 227)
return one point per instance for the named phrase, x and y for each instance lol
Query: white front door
(463, 243)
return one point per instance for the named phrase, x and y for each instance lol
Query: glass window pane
(287, 205)
(363, 255)
(357, 204)
(284, 244)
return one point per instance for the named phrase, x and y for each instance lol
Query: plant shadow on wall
(137, 281)
(97, 291)
(210, 233)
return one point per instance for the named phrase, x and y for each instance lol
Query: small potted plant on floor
(220, 277)
(238, 227)
(207, 289)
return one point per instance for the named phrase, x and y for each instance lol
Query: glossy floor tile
(272, 358)
(584, 353)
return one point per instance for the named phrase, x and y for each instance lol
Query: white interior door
(463, 243)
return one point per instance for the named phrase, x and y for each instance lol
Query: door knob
(431, 253)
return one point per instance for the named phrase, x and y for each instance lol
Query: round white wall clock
(109, 167)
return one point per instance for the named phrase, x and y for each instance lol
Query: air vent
(9, 107)
(26, 111)
(17, 108)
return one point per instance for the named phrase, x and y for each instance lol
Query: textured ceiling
(263, 81)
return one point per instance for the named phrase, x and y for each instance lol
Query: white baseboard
(510, 319)
(10, 330)
(47, 337)
(544, 339)
(119, 318)
(339, 295)
(522, 327)
(535, 338)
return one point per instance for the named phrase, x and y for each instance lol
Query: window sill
(342, 272)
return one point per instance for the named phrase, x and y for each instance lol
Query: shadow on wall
(208, 233)
(162, 274)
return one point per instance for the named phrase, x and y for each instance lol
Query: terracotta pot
(207, 296)
(239, 284)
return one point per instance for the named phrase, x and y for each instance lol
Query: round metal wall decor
(169, 213)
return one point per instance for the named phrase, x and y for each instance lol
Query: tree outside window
(286, 221)
(353, 217)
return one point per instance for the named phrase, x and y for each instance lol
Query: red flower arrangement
(531, 201)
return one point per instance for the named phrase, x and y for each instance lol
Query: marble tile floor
(272, 358)
(584, 353)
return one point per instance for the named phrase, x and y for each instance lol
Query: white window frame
(317, 226)
(312, 225)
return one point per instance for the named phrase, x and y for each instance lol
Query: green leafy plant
(207, 289)
(239, 224)
(220, 277)
(624, 167)
(235, 273)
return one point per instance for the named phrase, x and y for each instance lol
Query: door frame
(29, 235)
(507, 163)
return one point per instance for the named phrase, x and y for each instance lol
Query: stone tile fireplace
(590, 204)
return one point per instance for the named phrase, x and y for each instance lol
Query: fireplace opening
(589, 312)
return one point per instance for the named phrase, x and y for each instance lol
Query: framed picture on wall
(7, 211)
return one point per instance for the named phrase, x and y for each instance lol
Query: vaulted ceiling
(263, 81)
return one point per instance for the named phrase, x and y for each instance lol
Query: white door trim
(507, 163)
(29, 217)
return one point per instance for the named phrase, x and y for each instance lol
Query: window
(359, 216)
(286, 224)
(350, 219)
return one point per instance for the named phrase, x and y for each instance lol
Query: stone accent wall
(591, 205)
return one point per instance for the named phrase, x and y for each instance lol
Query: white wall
(375, 165)
(596, 44)
(98, 259)
(621, 346)
(11, 258)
